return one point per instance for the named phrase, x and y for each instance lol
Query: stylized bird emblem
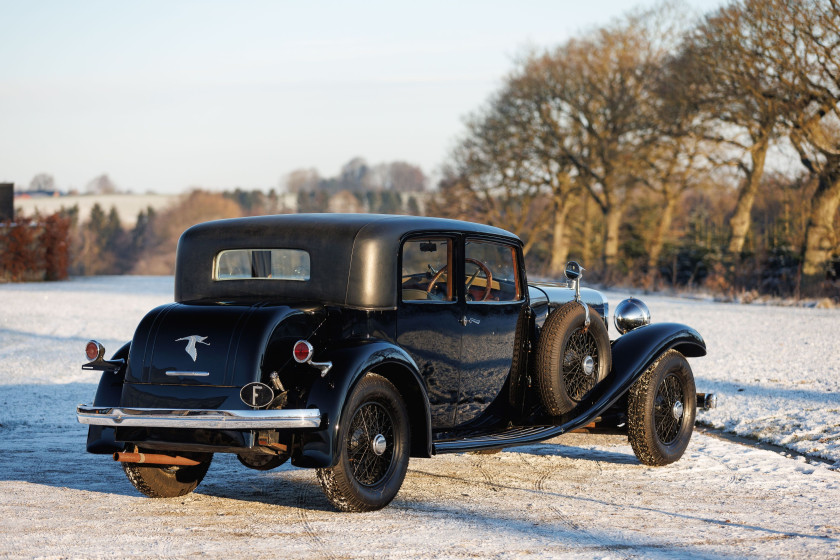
(191, 342)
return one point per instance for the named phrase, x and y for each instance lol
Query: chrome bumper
(211, 419)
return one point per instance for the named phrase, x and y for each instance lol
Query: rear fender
(100, 439)
(320, 449)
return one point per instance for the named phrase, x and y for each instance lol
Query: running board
(498, 440)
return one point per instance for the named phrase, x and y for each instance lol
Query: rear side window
(263, 264)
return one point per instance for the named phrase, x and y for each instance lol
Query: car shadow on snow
(750, 388)
(582, 448)
(286, 486)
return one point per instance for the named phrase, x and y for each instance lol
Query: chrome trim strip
(325, 367)
(198, 418)
(188, 373)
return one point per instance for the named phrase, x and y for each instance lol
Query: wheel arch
(101, 439)
(329, 395)
(635, 351)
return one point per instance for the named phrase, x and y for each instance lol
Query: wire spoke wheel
(580, 346)
(572, 358)
(660, 410)
(668, 400)
(369, 464)
(372, 448)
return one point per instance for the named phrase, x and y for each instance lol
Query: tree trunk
(612, 226)
(740, 221)
(658, 240)
(820, 238)
(586, 242)
(559, 246)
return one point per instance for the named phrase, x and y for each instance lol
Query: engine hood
(204, 344)
(544, 295)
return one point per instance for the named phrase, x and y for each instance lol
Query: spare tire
(571, 357)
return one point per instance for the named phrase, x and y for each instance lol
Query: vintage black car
(349, 343)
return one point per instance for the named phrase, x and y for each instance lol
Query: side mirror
(573, 270)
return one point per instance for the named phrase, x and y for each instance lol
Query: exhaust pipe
(154, 459)
(706, 401)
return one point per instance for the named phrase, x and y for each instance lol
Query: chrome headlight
(631, 314)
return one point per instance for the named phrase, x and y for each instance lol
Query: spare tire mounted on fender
(571, 357)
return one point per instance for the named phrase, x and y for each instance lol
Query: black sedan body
(349, 343)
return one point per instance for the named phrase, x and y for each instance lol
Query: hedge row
(33, 249)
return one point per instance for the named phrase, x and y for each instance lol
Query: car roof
(354, 257)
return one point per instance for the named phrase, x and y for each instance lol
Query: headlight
(631, 314)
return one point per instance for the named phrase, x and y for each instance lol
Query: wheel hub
(677, 410)
(378, 444)
(588, 365)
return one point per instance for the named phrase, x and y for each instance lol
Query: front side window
(491, 272)
(263, 264)
(426, 266)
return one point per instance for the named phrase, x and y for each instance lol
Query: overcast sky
(165, 96)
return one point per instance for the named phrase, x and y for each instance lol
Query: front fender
(350, 363)
(101, 438)
(632, 354)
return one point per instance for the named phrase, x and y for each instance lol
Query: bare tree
(496, 173)
(731, 66)
(594, 97)
(42, 182)
(101, 184)
(302, 180)
(401, 176)
(809, 42)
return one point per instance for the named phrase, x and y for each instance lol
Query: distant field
(128, 205)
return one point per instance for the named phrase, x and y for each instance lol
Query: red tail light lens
(302, 351)
(92, 350)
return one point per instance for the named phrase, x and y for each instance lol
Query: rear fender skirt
(100, 439)
(319, 449)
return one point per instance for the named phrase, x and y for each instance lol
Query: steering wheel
(483, 267)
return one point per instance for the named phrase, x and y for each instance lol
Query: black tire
(164, 481)
(367, 477)
(564, 344)
(658, 437)
(263, 461)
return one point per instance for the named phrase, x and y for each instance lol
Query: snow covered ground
(777, 371)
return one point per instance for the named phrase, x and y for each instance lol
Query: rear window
(264, 264)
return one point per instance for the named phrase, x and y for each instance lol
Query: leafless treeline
(618, 143)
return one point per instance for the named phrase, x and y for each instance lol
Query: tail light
(302, 351)
(94, 350)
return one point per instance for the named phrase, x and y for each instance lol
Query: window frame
(251, 250)
(517, 269)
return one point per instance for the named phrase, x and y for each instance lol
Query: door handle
(464, 321)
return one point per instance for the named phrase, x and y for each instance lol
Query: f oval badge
(256, 395)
